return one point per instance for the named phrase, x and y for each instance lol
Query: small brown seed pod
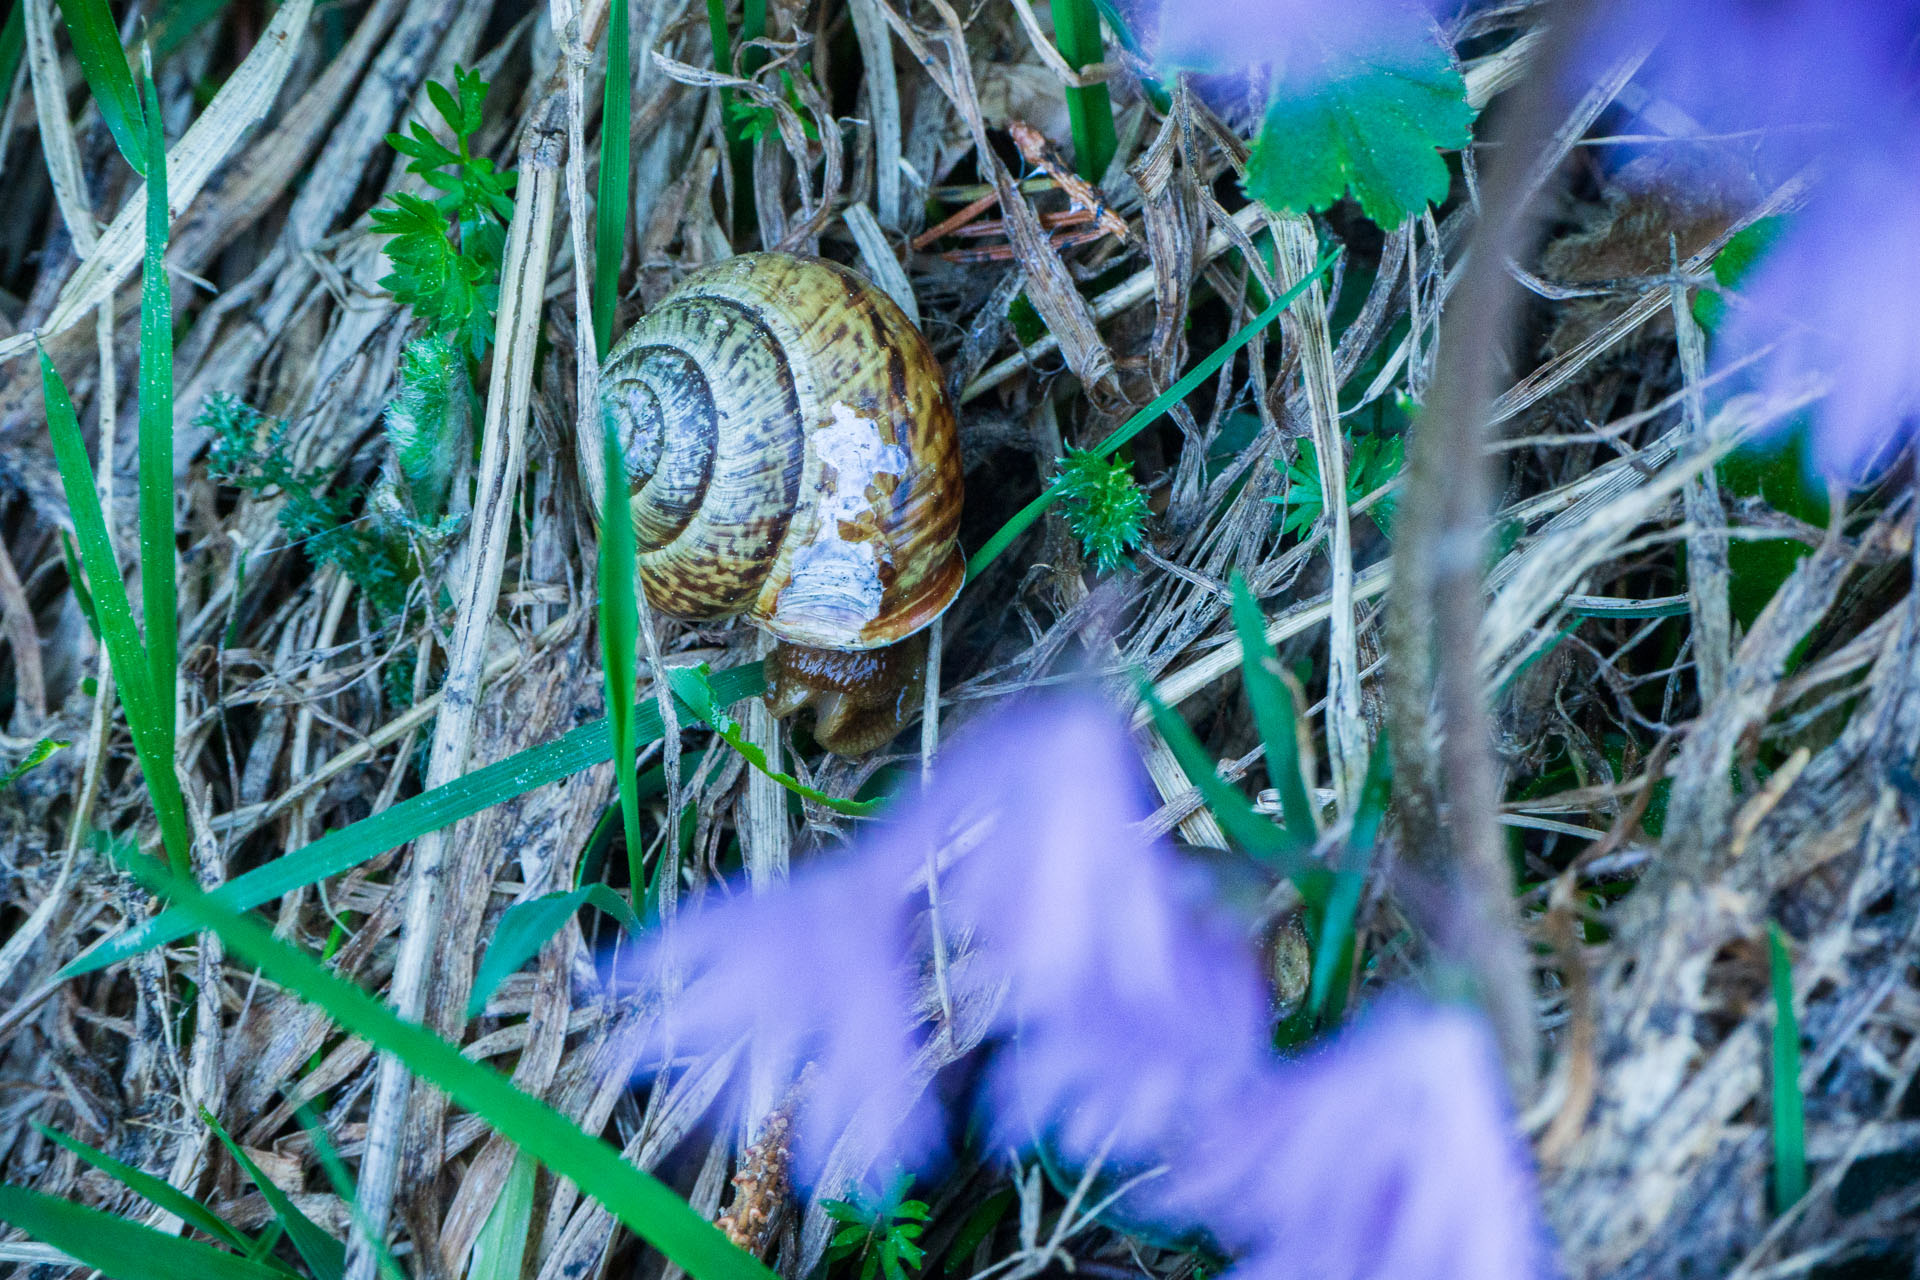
(791, 456)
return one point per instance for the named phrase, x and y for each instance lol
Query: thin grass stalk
(13, 44)
(158, 600)
(1076, 29)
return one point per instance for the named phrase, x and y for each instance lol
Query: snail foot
(858, 700)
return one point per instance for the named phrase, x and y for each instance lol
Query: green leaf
(1377, 460)
(610, 206)
(500, 1248)
(96, 46)
(525, 927)
(1733, 264)
(1373, 122)
(689, 685)
(619, 629)
(324, 1256)
(1274, 713)
(122, 1249)
(157, 1191)
(342, 850)
(641, 1202)
(1789, 1107)
(1158, 406)
(159, 605)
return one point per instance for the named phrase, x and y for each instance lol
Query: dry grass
(1672, 783)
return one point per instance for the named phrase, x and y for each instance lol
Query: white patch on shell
(835, 579)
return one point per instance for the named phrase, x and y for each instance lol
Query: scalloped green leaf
(1373, 123)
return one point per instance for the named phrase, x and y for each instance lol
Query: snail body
(791, 456)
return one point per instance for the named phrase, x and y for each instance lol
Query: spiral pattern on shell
(791, 454)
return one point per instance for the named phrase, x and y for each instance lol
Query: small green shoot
(616, 175)
(1372, 122)
(753, 26)
(34, 758)
(1076, 29)
(1377, 460)
(1158, 406)
(446, 252)
(1789, 1107)
(755, 121)
(1334, 934)
(103, 62)
(1105, 508)
(884, 1231)
(1732, 265)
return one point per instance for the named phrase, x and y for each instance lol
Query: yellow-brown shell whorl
(791, 454)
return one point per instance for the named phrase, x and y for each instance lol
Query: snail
(792, 456)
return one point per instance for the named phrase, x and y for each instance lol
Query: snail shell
(791, 456)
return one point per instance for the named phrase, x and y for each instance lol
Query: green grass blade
(1248, 829)
(526, 927)
(114, 612)
(159, 606)
(124, 1250)
(1076, 29)
(157, 1191)
(96, 45)
(1158, 406)
(619, 632)
(610, 206)
(341, 1179)
(324, 1256)
(647, 1206)
(1789, 1108)
(1333, 949)
(501, 1247)
(1273, 712)
(691, 689)
(342, 850)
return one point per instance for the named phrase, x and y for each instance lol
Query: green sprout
(446, 252)
(1376, 461)
(883, 1230)
(1105, 508)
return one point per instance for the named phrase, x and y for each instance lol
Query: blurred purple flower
(1781, 85)
(1130, 1022)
